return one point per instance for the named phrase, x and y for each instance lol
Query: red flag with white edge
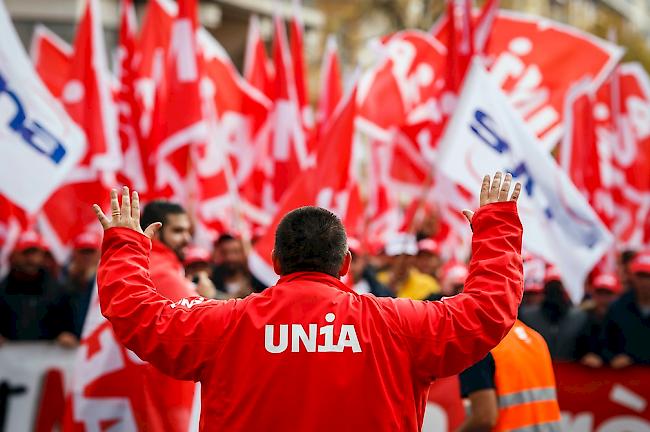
(578, 152)
(150, 58)
(407, 86)
(236, 115)
(258, 70)
(537, 79)
(132, 172)
(325, 185)
(464, 36)
(177, 118)
(87, 98)
(297, 46)
(288, 146)
(87, 95)
(622, 116)
(331, 87)
(51, 57)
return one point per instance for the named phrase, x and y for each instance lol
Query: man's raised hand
(126, 217)
(495, 191)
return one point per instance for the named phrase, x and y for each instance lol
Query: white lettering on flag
(40, 143)
(485, 135)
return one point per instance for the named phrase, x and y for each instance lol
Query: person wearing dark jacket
(556, 319)
(32, 303)
(627, 325)
(590, 345)
(78, 277)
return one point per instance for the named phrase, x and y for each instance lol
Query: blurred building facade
(354, 22)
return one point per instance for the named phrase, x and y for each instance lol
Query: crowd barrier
(34, 377)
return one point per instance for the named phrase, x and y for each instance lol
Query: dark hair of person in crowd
(556, 303)
(157, 211)
(223, 238)
(310, 239)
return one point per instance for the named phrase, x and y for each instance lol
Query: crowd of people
(40, 300)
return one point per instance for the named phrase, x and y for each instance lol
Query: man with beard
(230, 275)
(169, 409)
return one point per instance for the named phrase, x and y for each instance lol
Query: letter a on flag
(40, 143)
(486, 134)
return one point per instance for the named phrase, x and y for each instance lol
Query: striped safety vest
(525, 383)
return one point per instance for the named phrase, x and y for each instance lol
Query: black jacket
(627, 330)
(33, 310)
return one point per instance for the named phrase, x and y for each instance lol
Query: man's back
(367, 362)
(311, 328)
(370, 370)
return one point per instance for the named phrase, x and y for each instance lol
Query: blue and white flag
(484, 135)
(39, 143)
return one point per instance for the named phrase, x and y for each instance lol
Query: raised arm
(446, 337)
(178, 338)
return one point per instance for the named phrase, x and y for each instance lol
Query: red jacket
(271, 361)
(169, 410)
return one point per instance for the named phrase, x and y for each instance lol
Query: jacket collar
(317, 277)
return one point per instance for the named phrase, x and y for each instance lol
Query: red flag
(296, 40)
(236, 114)
(288, 144)
(607, 152)
(13, 221)
(406, 87)
(149, 59)
(177, 118)
(257, 69)
(537, 79)
(331, 89)
(325, 185)
(51, 56)
(87, 98)
(87, 93)
(461, 41)
(132, 172)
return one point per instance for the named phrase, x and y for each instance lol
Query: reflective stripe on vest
(527, 396)
(544, 427)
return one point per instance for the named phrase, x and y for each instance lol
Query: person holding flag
(309, 353)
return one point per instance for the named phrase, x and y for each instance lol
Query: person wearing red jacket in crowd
(310, 354)
(170, 399)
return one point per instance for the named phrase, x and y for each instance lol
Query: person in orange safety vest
(513, 387)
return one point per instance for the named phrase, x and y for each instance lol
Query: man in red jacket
(309, 354)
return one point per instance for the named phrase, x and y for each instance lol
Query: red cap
(533, 287)
(429, 245)
(354, 245)
(455, 274)
(607, 281)
(30, 240)
(552, 274)
(641, 263)
(87, 240)
(196, 254)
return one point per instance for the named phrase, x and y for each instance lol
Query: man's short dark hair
(224, 238)
(310, 239)
(157, 211)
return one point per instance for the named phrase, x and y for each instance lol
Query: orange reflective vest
(525, 383)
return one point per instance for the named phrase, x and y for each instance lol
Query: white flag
(39, 143)
(484, 135)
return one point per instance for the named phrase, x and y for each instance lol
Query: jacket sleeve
(447, 336)
(177, 338)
